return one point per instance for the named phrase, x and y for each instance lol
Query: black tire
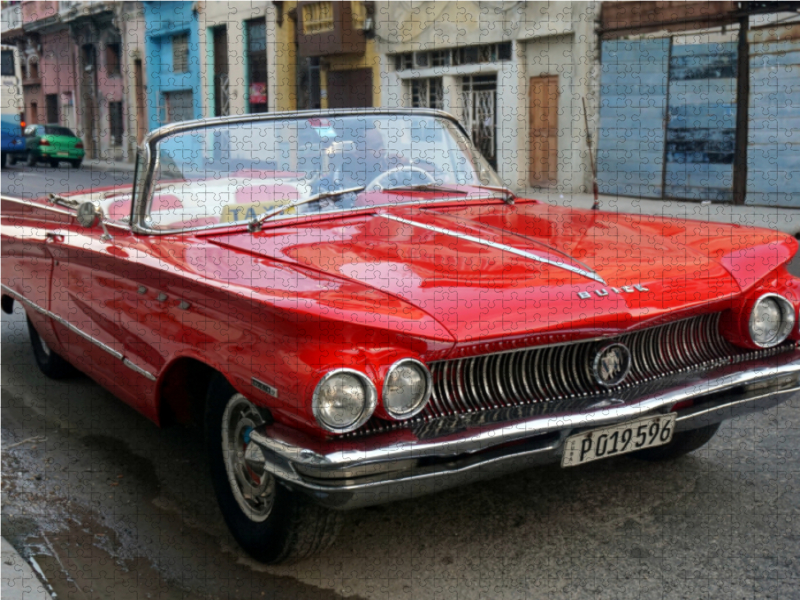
(682, 443)
(4, 160)
(12, 159)
(54, 164)
(31, 159)
(76, 164)
(294, 527)
(50, 363)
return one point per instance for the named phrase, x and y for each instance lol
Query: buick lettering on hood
(361, 312)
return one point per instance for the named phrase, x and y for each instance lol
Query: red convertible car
(360, 312)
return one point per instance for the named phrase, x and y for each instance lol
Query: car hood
(494, 270)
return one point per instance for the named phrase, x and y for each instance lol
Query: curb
(19, 582)
(107, 165)
(786, 220)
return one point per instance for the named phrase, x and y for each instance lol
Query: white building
(514, 73)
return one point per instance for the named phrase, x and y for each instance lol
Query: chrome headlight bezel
(426, 396)
(787, 323)
(370, 401)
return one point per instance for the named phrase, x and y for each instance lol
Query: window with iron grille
(463, 55)
(404, 61)
(317, 17)
(8, 63)
(257, 65)
(115, 122)
(178, 106)
(113, 58)
(427, 93)
(180, 53)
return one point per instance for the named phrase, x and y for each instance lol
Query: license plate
(62, 153)
(619, 439)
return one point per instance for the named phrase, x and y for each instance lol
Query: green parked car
(52, 144)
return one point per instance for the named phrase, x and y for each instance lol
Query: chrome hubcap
(254, 492)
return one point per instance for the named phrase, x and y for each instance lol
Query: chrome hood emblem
(612, 364)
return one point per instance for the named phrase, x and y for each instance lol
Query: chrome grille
(563, 372)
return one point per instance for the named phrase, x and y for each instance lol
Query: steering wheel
(376, 185)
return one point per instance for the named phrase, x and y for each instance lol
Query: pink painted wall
(34, 11)
(57, 71)
(110, 87)
(56, 62)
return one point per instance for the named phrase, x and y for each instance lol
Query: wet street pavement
(34, 182)
(106, 505)
(109, 506)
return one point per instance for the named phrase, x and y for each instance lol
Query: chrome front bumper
(356, 472)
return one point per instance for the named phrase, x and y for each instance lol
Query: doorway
(543, 95)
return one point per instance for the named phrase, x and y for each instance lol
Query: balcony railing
(11, 17)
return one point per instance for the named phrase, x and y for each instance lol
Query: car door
(91, 288)
(27, 229)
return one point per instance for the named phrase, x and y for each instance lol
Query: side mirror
(89, 215)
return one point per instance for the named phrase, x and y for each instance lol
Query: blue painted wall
(163, 21)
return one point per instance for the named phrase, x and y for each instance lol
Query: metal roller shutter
(773, 145)
(630, 146)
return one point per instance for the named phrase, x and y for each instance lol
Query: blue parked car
(12, 143)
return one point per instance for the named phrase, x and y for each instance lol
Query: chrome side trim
(502, 247)
(83, 334)
(138, 369)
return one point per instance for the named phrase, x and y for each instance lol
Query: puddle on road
(93, 535)
(77, 563)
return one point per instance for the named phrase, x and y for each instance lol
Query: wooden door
(543, 139)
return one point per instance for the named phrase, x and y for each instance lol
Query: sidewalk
(19, 581)
(770, 217)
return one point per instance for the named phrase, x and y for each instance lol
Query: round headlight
(343, 400)
(406, 389)
(771, 320)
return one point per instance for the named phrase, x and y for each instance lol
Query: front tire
(269, 521)
(49, 363)
(682, 443)
(31, 160)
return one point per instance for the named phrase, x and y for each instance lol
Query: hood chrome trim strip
(502, 247)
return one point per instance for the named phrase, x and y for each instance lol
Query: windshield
(241, 171)
(57, 130)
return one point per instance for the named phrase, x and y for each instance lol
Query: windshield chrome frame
(140, 222)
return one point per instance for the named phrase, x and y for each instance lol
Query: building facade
(513, 73)
(249, 53)
(172, 57)
(76, 58)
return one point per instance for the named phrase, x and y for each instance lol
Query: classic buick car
(360, 312)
